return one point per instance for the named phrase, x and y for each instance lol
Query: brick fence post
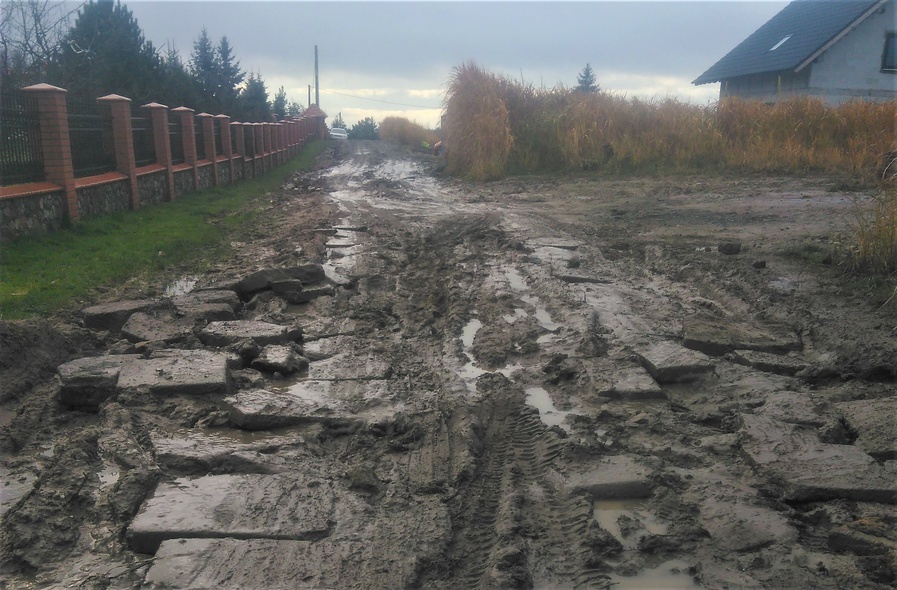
(281, 144)
(56, 145)
(223, 122)
(188, 137)
(123, 141)
(161, 142)
(207, 122)
(266, 134)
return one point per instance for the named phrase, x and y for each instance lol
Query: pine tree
(229, 76)
(279, 106)
(203, 66)
(253, 101)
(585, 81)
(106, 53)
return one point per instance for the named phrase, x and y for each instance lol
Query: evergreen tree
(178, 86)
(229, 76)
(203, 66)
(253, 101)
(279, 106)
(585, 81)
(294, 109)
(364, 129)
(105, 53)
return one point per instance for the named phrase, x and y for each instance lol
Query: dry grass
(873, 249)
(404, 132)
(508, 127)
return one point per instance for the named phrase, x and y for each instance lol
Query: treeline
(100, 49)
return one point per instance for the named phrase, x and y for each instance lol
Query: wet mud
(408, 381)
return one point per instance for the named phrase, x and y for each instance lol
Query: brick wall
(45, 206)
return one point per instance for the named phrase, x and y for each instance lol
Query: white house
(837, 50)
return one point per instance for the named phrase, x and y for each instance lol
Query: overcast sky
(403, 52)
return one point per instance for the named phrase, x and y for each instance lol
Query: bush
(402, 131)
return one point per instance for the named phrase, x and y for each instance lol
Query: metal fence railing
(200, 144)
(142, 133)
(21, 156)
(176, 138)
(90, 130)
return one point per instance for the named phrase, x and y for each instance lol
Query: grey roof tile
(810, 23)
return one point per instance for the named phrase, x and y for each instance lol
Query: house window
(889, 56)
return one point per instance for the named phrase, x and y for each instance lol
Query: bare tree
(31, 35)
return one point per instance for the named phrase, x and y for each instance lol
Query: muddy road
(407, 381)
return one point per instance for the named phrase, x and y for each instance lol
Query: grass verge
(43, 274)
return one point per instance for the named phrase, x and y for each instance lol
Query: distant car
(337, 133)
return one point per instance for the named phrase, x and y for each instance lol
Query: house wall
(766, 87)
(852, 66)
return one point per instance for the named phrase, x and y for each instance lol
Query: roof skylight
(780, 43)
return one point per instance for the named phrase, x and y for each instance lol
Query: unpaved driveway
(533, 383)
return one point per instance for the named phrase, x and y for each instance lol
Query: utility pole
(317, 86)
(309, 95)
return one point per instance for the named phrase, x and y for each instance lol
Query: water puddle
(518, 284)
(538, 398)
(180, 287)
(108, 475)
(670, 575)
(517, 315)
(785, 284)
(469, 372)
(627, 520)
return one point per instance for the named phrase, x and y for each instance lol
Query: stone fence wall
(232, 151)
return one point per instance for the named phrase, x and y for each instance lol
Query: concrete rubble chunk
(223, 334)
(635, 383)
(670, 363)
(112, 316)
(293, 291)
(768, 362)
(262, 409)
(875, 424)
(281, 506)
(792, 407)
(178, 372)
(281, 358)
(615, 477)
(192, 450)
(88, 382)
(799, 468)
(157, 327)
(716, 336)
(582, 279)
(210, 297)
(349, 367)
(261, 280)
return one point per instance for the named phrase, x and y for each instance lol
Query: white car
(337, 133)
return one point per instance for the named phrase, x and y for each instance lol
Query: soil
(540, 382)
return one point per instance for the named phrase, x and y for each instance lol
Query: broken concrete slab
(875, 424)
(209, 297)
(282, 506)
(799, 468)
(293, 291)
(223, 334)
(88, 382)
(13, 486)
(668, 362)
(261, 280)
(614, 477)
(178, 372)
(792, 407)
(112, 316)
(160, 326)
(576, 279)
(716, 336)
(191, 450)
(633, 382)
(768, 362)
(734, 516)
(350, 367)
(262, 409)
(283, 359)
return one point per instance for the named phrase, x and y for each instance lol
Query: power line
(401, 104)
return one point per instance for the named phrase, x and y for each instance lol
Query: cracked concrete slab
(88, 382)
(223, 334)
(349, 367)
(283, 506)
(716, 336)
(669, 362)
(875, 424)
(178, 372)
(618, 476)
(112, 316)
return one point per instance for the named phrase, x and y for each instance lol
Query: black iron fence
(144, 143)
(176, 139)
(21, 156)
(200, 144)
(90, 130)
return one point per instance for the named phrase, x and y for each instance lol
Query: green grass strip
(43, 274)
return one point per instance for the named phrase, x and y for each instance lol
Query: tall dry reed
(405, 132)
